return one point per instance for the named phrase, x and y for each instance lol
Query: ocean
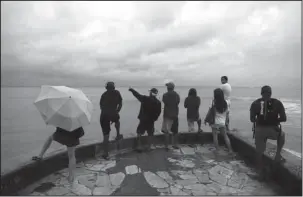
(23, 131)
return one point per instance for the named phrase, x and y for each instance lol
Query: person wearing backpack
(266, 114)
(216, 118)
(150, 111)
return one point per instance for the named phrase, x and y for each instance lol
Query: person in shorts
(221, 110)
(150, 111)
(171, 100)
(110, 105)
(266, 114)
(68, 138)
(226, 87)
(192, 104)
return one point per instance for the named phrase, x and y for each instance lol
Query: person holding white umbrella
(68, 110)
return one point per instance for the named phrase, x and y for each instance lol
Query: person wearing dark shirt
(192, 104)
(68, 138)
(150, 111)
(110, 105)
(267, 113)
(171, 100)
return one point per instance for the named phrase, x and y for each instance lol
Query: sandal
(280, 160)
(36, 158)
(105, 156)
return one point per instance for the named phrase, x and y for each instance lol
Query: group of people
(150, 110)
(266, 114)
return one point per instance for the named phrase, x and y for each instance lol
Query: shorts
(146, 125)
(105, 121)
(191, 124)
(262, 133)
(170, 125)
(218, 129)
(68, 138)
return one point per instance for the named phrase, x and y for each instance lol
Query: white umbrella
(64, 107)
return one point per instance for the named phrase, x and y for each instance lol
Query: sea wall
(288, 175)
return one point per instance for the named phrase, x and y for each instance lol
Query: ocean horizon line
(143, 86)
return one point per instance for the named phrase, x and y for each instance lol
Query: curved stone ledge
(287, 175)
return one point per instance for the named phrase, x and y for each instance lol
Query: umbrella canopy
(64, 107)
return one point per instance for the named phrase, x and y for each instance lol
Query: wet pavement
(190, 170)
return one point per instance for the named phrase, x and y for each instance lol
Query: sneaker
(105, 156)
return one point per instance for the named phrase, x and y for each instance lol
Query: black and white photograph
(151, 98)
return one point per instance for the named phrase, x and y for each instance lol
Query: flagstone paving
(191, 170)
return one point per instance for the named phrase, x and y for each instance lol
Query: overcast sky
(149, 43)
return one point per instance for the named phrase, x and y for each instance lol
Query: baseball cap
(170, 85)
(110, 84)
(154, 91)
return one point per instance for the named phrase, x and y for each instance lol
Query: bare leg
(166, 132)
(139, 142)
(260, 148)
(149, 141)
(227, 121)
(175, 141)
(199, 125)
(71, 163)
(117, 126)
(215, 138)
(226, 139)
(280, 144)
(105, 146)
(46, 146)
(166, 135)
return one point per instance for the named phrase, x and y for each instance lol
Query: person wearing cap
(266, 114)
(150, 111)
(110, 105)
(171, 100)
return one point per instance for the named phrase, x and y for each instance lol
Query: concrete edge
(22, 177)
(287, 175)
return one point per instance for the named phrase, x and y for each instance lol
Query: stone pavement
(191, 170)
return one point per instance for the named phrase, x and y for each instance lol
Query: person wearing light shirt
(226, 88)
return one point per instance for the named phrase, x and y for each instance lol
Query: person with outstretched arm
(266, 114)
(110, 105)
(150, 111)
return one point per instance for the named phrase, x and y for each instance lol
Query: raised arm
(282, 114)
(136, 94)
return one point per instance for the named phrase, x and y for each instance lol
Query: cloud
(192, 43)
